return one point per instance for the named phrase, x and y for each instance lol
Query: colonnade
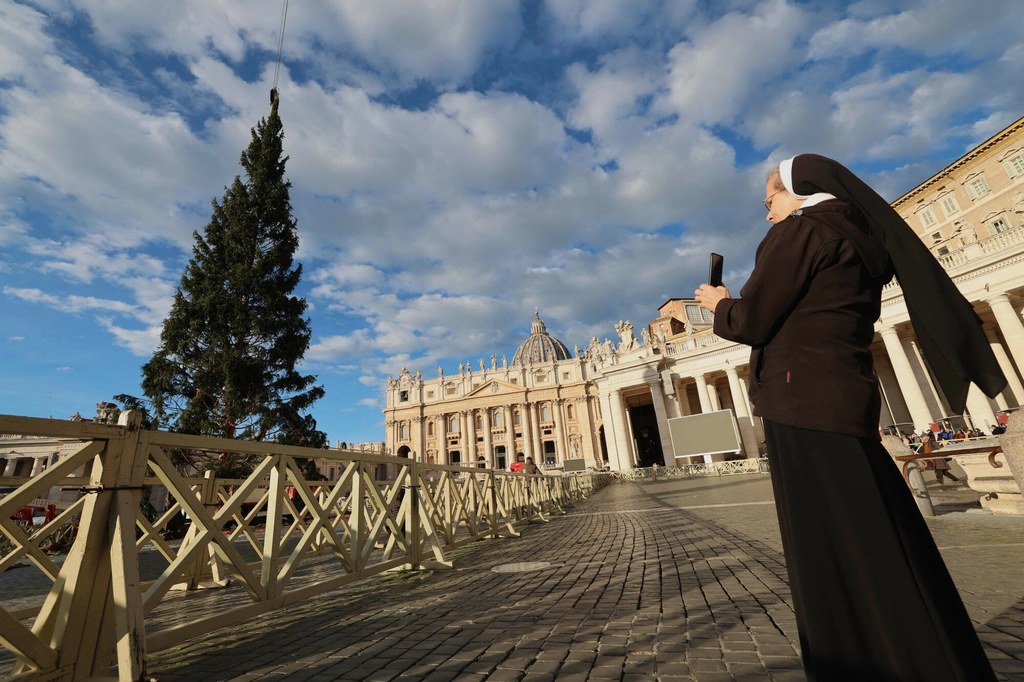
(9, 467)
(479, 432)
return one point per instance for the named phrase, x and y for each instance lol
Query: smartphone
(715, 270)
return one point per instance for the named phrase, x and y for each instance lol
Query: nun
(872, 596)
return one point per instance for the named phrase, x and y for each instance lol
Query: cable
(280, 43)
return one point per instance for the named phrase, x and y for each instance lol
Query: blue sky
(454, 165)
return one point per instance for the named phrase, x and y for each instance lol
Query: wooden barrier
(100, 615)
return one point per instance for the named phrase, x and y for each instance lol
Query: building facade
(540, 405)
(613, 400)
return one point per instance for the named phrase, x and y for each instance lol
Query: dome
(540, 346)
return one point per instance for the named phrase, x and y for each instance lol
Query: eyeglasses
(768, 202)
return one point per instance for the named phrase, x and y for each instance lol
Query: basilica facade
(609, 404)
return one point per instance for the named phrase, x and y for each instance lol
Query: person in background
(530, 467)
(872, 596)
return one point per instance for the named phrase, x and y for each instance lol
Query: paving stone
(696, 594)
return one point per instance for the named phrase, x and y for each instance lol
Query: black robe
(950, 333)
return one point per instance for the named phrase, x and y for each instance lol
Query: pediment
(494, 387)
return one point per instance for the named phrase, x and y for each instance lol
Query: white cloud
(438, 39)
(929, 26)
(601, 20)
(713, 76)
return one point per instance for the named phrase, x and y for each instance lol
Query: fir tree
(226, 365)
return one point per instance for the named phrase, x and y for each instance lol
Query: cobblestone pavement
(667, 580)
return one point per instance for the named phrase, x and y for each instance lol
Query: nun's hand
(708, 296)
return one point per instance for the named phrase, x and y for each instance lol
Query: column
(754, 421)
(940, 405)
(620, 440)
(631, 441)
(979, 408)
(524, 415)
(12, 464)
(1010, 325)
(510, 434)
(471, 457)
(1013, 381)
(560, 451)
(463, 437)
(591, 438)
(488, 450)
(745, 393)
(661, 413)
(716, 404)
(743, 421)
(702, 394)
(905, 378)
(537, 446)
(37, 465)
(419, 437)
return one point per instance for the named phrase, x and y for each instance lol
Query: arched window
(430, 427)
(453, 423)
(570, 413)
(479, 420)
(545, 412)
(517, 418)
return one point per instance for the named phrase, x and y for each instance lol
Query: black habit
(872, 596)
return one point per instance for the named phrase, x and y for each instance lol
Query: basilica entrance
(645, 435)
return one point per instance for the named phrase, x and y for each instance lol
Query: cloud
(928, 26)
(712, 77)
(70, 304)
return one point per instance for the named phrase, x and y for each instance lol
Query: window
(1015, 166)
(453, 424)
(978, 187)
(569, 412)
(403, 396)
(403, 431)
(430, 428)
(517, 418)
(928, 217)
(449, 390)
(549, 453)
(943, 251)
(496, 418)
(479, 421)
(949, 204)
(999, 225)
(936, 237)
(541, 377)
(545, 412)
(694, 313)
